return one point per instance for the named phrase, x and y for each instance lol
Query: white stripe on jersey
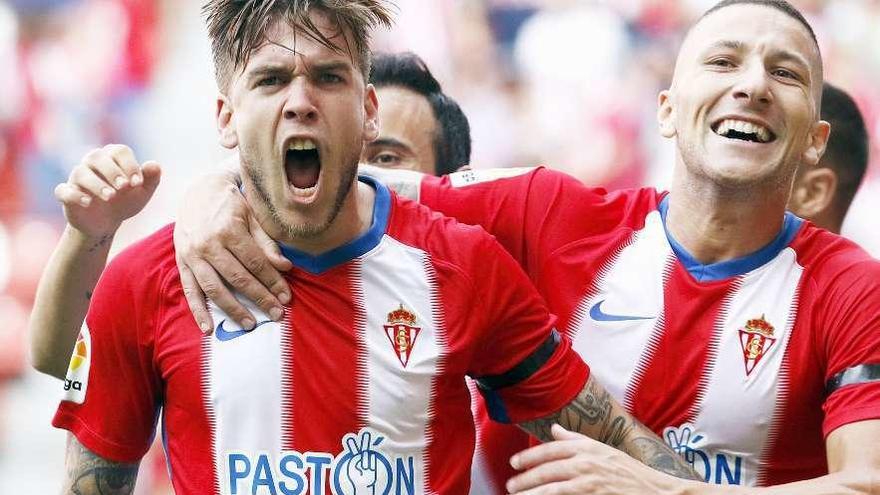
(630, 284)
(394, 273)
(243, 392)
(738, 409)
(481, 481)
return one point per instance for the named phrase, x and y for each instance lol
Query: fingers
(71, 195)
(86, 178)
(545, 478)
(560, 433)
(127, 171)
(150, 174)
(104, 171)
(546, 452)
(253, 273)
(240, 277)
(365, 442)
(272, 251)
(214, 289)
(352, 446)
(195, 298)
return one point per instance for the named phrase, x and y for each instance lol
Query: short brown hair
(237, 27)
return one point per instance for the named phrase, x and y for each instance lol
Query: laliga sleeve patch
(77, 379)
(471, 177)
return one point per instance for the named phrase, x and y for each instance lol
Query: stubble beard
(302, 231)
(697, 162)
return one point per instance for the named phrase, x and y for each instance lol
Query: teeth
(305, 193)
(301, 145)
(743, 127)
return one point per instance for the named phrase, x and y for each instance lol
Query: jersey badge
(402, 332)
(756, 339)
(77, 379)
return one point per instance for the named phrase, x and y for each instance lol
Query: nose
(753, 85)
(299, 105)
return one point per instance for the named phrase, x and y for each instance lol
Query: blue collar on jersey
(357, 247)
(738, 266)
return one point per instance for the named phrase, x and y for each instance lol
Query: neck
(354, 218)
(715, 224)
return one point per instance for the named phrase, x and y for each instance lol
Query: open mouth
(743, 131)
(302, 163)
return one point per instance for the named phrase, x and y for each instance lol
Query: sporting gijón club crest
(402, 332)
(756, 339)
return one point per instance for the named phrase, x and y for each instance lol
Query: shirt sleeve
(852, 347)
(531, 211)
(524, 368)
(112, 393)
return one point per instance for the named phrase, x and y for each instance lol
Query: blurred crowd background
(567, 83)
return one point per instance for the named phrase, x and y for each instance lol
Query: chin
(743, 176)
(307, 222)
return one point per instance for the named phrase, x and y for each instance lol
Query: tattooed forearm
(89, 474)
(653, 452)
(596, 414)
(591, 413)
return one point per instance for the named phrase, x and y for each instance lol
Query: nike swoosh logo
(597, 314)
(224, 335)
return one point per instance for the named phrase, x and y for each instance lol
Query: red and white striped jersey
(735, 364)
(362, 386)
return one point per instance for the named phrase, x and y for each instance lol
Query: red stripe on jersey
(663, 391)
(795, 428)
(183, 355)
(326, 371)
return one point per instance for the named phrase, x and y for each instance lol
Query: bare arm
(63, 298)
(107, 187)
(596, 414)
(89, 474)
(574, 464)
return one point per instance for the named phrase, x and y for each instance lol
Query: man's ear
(371, 114)
(666, 114)
(226, 122)
(818, 141)
(813, 192)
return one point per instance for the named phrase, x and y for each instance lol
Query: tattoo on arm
(100, 242)
(90, 474)
(595, 413)
(590, 413)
